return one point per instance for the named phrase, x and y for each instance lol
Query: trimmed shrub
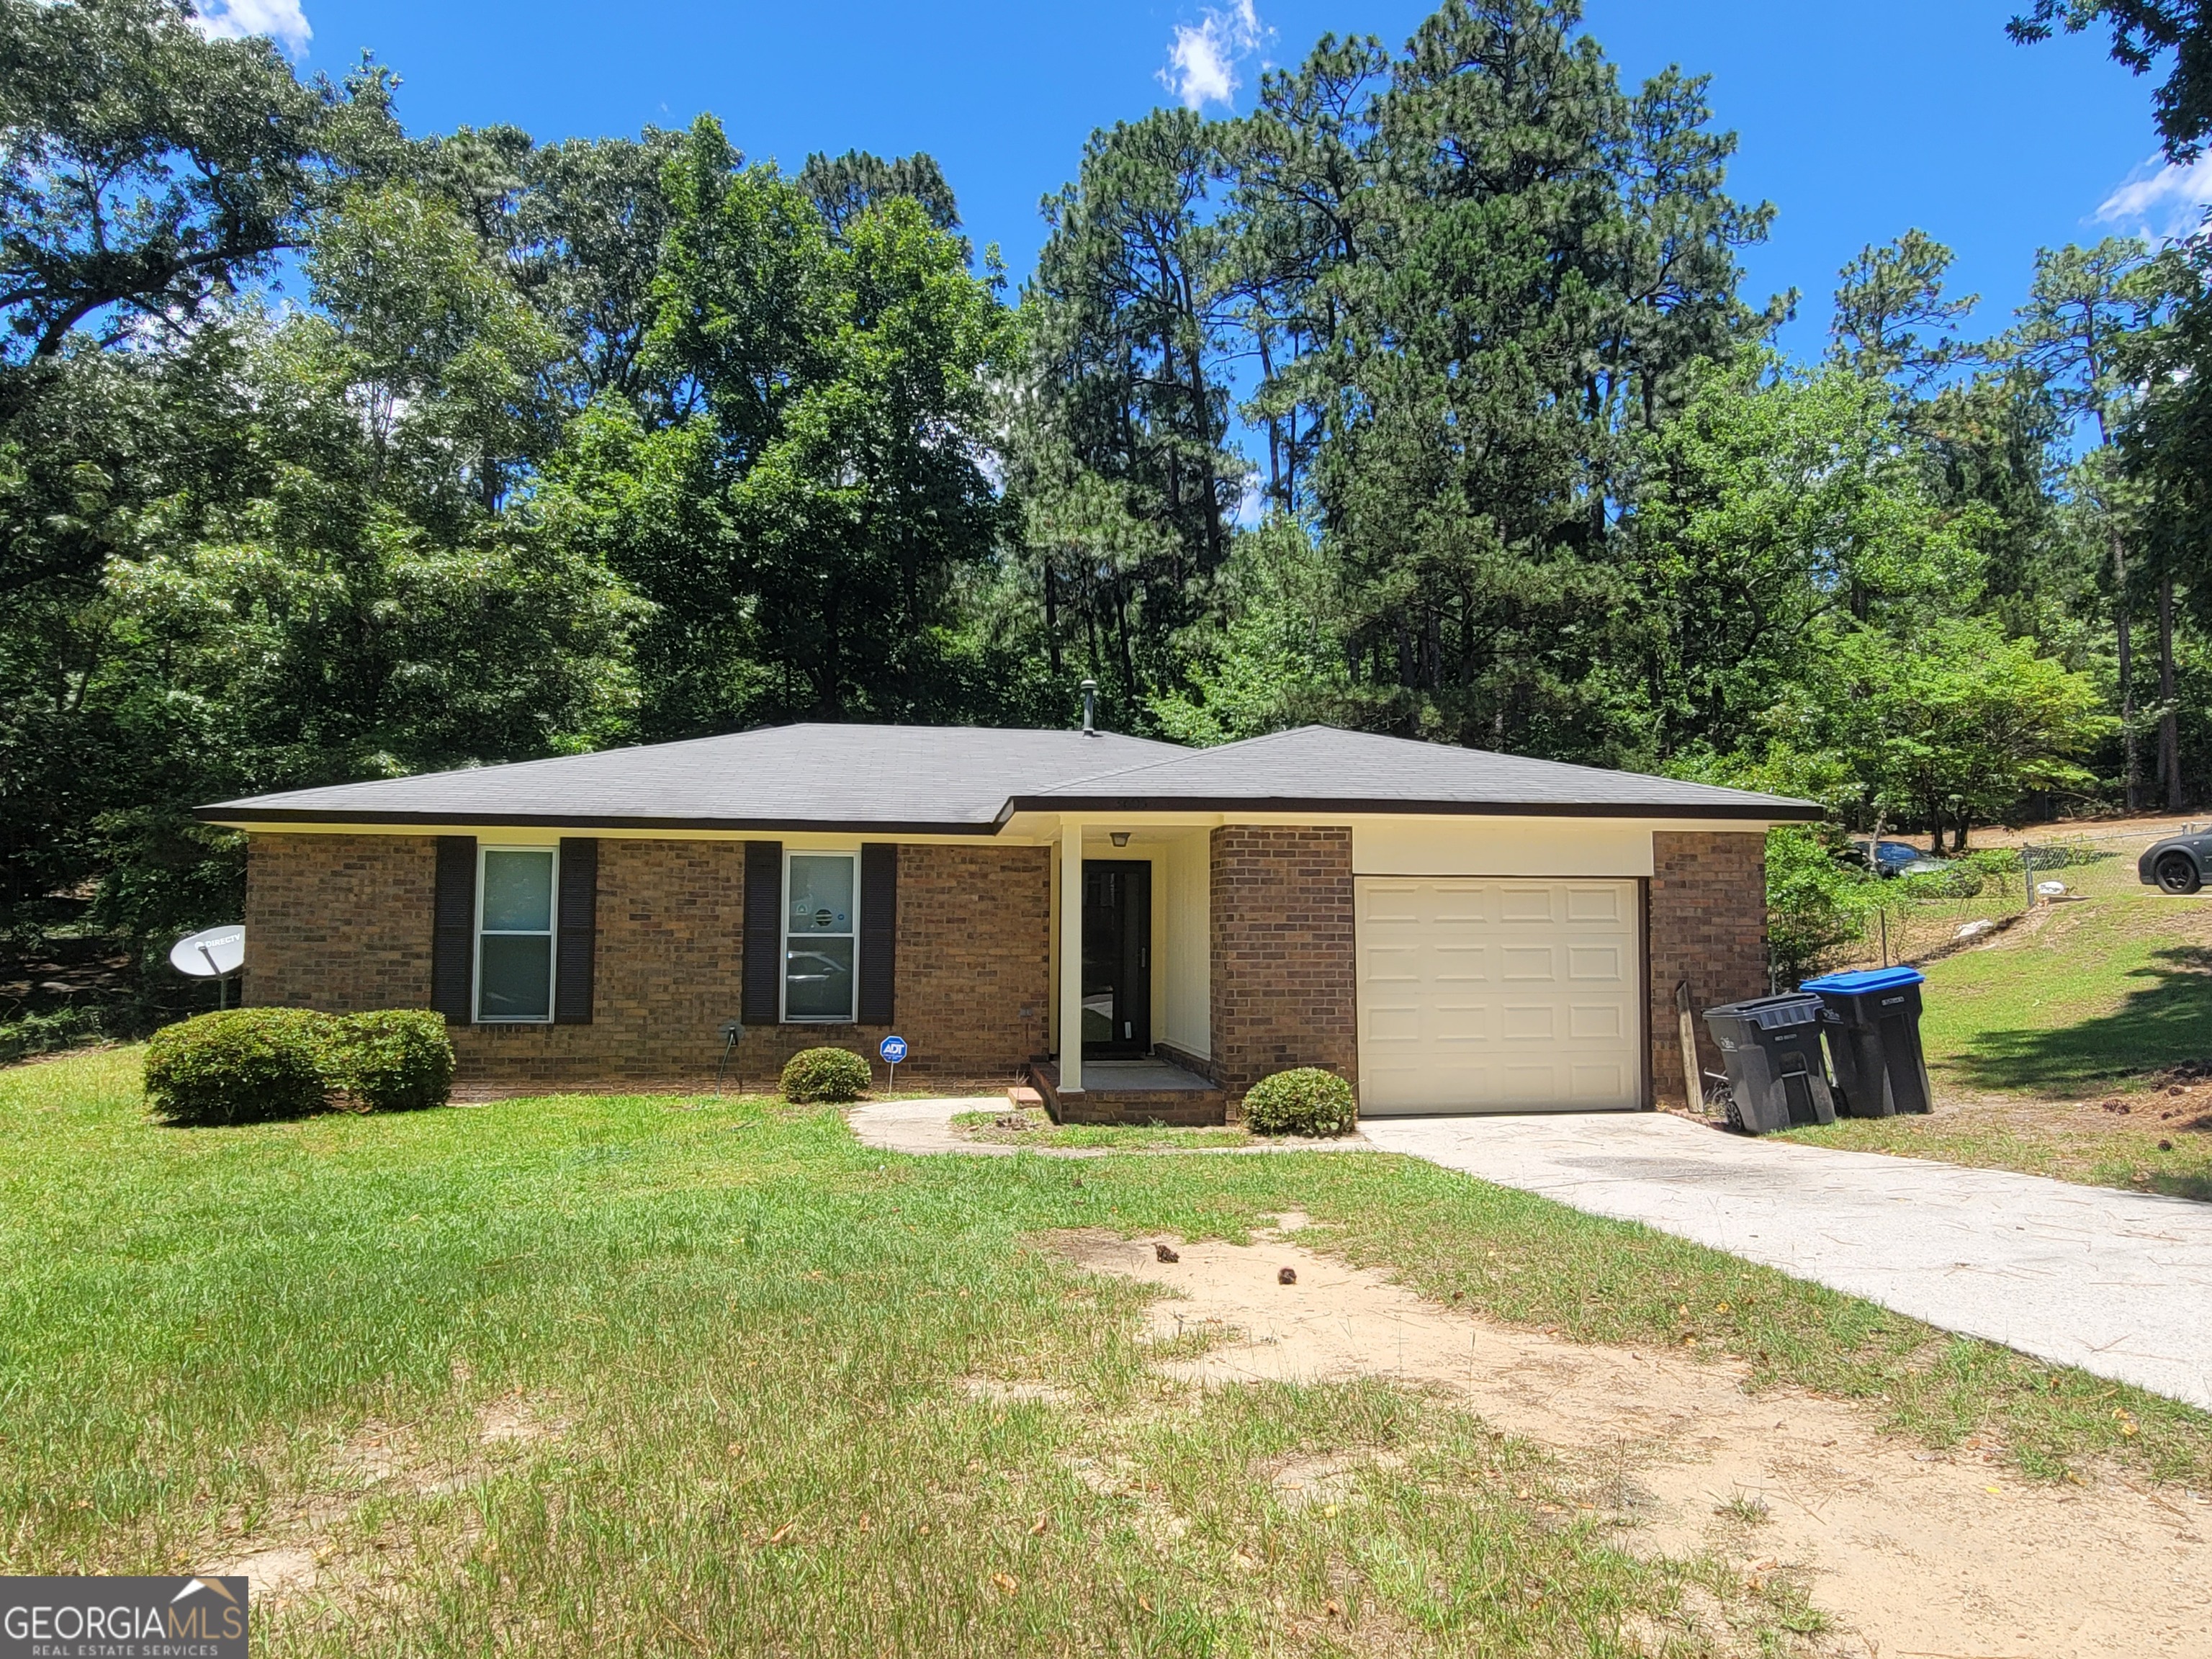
(398, 1060)
(1304, 1102)
(240, 1065)
(818, 1075)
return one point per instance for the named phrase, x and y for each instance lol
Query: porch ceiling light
(1120, 837)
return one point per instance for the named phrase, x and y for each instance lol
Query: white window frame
(551, 936)
(783, 926)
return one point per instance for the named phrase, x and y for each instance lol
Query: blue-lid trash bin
(1771, 1046)
(1872, 1019)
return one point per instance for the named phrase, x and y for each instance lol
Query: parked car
(1900, 858)
(2177, 864)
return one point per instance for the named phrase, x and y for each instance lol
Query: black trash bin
(1873, 1025)
(1771, 1046)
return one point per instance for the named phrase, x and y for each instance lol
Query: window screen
(515, 934)
(818, 928)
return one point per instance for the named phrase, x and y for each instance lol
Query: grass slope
(752, 1345)
(2036, 1043)
(2103, 991)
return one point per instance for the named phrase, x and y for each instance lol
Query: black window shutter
(762, 1000)
(879, 931)
(576, 948)
(453, 931)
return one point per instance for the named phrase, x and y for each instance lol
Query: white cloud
(2160, 202)
(1201, 66)
(282, 21)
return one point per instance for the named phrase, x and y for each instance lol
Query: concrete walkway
(2117, 1283)
(923, 1127)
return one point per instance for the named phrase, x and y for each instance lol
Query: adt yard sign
(893, 1050)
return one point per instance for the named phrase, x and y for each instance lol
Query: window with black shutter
(879, 1002)
(576, 953)
(453, 931)
(762, 1001)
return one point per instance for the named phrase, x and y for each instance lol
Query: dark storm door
(1117, 957)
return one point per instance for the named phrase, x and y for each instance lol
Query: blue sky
(1857, 122)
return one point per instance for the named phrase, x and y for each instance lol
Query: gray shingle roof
(920, 779)
(969, 779)
(1321, 767)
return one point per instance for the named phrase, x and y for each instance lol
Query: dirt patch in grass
(335, 1543)
(1907, 1549)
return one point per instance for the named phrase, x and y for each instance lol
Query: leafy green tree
(1894, 318)
(1124, 470)
(145, 169)
(448, 361)
(2083, 309)
(1543, 259)
(846, 186)
(1304, 220)
(1950, 720)
(1778, 513)
(799, 530)
(585, 246)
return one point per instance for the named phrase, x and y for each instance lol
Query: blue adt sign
(893, 1050)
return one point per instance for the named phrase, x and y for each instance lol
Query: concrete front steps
(1126, 1092)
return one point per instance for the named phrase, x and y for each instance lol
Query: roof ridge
(1183, 752)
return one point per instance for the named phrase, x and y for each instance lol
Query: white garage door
(1481, 995)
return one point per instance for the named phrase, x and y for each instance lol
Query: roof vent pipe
(1090, 709)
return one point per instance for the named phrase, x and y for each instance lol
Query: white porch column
(1070, 954)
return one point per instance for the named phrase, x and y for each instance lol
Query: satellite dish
(211, 953)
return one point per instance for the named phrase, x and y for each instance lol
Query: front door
(1117, 957)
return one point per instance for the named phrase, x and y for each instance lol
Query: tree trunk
(1051, 620)
(2169, 719)
(2131, 765)
(1275, 422)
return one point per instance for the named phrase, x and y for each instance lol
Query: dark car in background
(2179, 864)
(1899, 858)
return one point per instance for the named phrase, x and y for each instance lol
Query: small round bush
(397, 1059)
(1304, 1102)
(241, 1066)
(825, 1074)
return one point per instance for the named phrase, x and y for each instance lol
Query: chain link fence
(1917, 918)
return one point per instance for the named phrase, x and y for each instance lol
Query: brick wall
(1283, 955)
(1707, 926)
(343, 922)
(340, 922)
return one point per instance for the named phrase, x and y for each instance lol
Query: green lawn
(741, 1350)
(2034, 1044)
(2106, 990)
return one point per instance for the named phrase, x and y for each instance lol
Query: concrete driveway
(2117, 1283)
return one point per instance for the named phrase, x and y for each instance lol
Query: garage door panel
(1595, 1022)
(1498, 996)
(1395, 902)
(1455, 1026)
(1520, 904)
(1532, 1085)
(1597, 1085)
(1383, 965)
(1596, 962)
(1528, 962)
(1605, 904)
(1525, 1023)
(1464, 904)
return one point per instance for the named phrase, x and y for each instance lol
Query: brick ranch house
(1144, 929)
